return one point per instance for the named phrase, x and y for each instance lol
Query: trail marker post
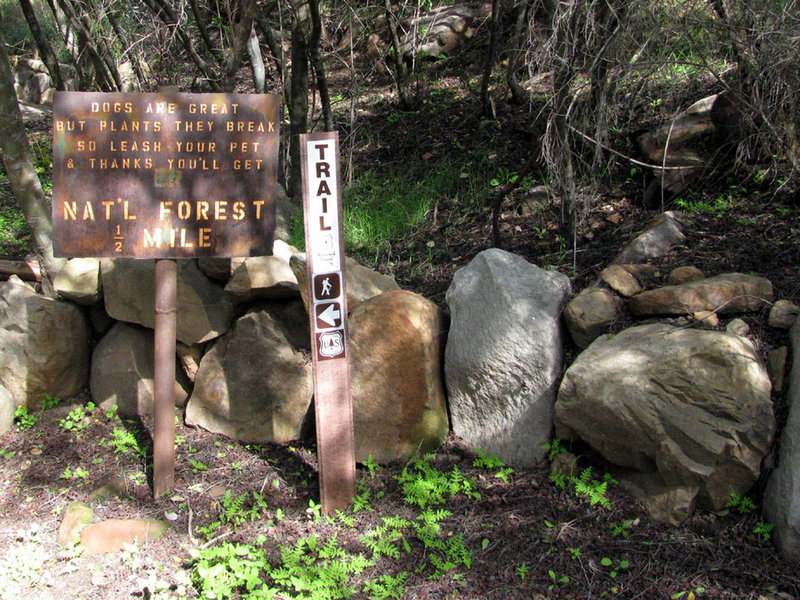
(167, 176)
(327, 312)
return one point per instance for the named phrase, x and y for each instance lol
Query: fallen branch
(26, 269)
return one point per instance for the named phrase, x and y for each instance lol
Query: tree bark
(202, 28)
(276, 50)
(45, 51)
(494, 33)
(399, 65)
(127, 49)
(298, 100)
(104, 78)
(256, 61)
(25, 184)
(72, 41)
(319, 67)
(241, 24)
(164, 11)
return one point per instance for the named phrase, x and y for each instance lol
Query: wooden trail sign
(164, 175)
(327, 311)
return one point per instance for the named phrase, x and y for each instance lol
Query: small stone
(783, 314)
(76, 517)
(684, 275)
(621, 280)
(589, 314)
(113, 534)
(216, 492)
(564, 463)
(776, 365)
(706, 319)
(738, 327)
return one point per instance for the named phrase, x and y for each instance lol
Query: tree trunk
(128, 49)
(25, 184)
(516, 54)
(399, 65)
(319, 67)
(164, 11)
(276, 50)
(241, 25)
(256, 61)
(72, 41)
(494, 33)
(202, 29)
(298, 101)
(104, 80)
(45, 51)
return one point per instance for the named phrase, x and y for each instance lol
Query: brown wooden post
(327, 311)
(166, 284)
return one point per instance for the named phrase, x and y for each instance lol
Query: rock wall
(680, 402)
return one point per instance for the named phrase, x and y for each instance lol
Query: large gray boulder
(253, 385)
(204, 310)
(782, 494)
(691, 407)
(123, 372)
(504, 354)
(729, 293)
(396, 348)
(44, 345)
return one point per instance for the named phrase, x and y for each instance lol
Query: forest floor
(494, 533)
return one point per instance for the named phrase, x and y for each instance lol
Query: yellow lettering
(70, 211)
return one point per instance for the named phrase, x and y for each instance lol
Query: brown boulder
(396, 348)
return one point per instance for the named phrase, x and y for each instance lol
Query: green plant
(764, 530)
(423, 485)
(484, 461)
(197, 466)
(614, 570)
(585, 486)
(556, 580)
(387, 586)
(740, 504)
(15, 235)
(76, 419)
(554, 448)
(124, 442)
(622, 529)
(688, 594)
(24, 419)
(49, 402)
(522, 570)
(371, 466)
(78, 473)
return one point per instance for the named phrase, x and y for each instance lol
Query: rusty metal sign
(164, 175)
(327, 311)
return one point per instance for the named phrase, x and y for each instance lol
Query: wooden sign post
(327, 312)
(164, 175)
